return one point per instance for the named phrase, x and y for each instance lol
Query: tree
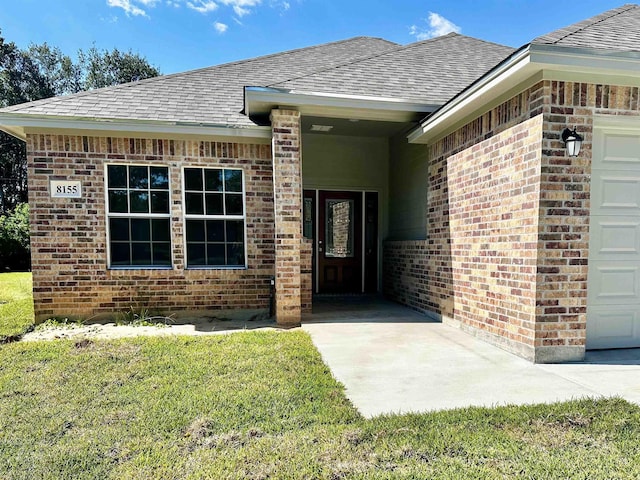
(14, 239)
(20, 78)
(105, 68)
(58, 69)
(43, 71)
(20, 81)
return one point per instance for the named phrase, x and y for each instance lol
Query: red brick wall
(493, 214)
(306, 272)
(466, 269)
(70, 272)
(287, 180)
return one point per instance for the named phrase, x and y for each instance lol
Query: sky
(180, 35)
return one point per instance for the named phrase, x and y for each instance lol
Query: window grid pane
(139, 210)
(214, 227)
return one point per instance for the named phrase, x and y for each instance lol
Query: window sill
(212, 267)
(141, 267)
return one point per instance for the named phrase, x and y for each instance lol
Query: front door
(339, 250)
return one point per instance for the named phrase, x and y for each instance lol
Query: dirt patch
(111, 330)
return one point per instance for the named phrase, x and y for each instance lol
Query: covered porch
(345, 182)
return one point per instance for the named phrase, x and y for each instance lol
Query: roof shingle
(617, 29)
(212, 95)
(429, 72)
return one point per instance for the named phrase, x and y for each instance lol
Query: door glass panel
(307, 212)
(339, 229)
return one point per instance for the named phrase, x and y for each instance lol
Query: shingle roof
(430, 72)
(617, 29)
(212, 95)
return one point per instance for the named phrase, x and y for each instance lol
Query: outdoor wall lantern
(573, 141)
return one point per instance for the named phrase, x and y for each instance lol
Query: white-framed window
(214, 206)
(138, 216)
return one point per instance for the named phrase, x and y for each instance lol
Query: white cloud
(438, 26)
(202, 6)
(239, 7)
(242, 7)
(220, 27)
(128, 7)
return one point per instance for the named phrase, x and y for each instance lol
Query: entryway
(344, 228)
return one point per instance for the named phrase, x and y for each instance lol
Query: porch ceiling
(359, 128)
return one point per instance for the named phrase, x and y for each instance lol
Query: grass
(262, 405)
(16, 305)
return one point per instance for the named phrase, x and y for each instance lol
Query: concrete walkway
(394, 360)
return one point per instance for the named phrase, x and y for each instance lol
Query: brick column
(287, 192)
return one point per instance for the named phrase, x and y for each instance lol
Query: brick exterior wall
(306, 272)
(69, 240)
(473, 260)
(287, 185)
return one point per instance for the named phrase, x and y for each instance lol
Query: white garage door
(613, 302)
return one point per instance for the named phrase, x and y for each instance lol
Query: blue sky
(179, 35)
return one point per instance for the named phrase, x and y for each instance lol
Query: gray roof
(429, 72)
(617, 29)
(212, 95)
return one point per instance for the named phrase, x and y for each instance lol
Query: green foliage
(14, 239)
(20, 78)
(63, 75)
(16, 306)
(42, 71)
(142, 317)
(103, 68)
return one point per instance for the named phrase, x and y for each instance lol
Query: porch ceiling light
(572, 140)
(321, 128)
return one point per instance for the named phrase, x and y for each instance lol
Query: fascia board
(586, 60)
(511, 72)
(260, 100)
(551, 60)
(18, 125)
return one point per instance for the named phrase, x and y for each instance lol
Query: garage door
(613, 301)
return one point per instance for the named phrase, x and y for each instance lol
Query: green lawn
(262, 405)
(16, 305)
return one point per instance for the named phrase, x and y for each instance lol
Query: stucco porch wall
(69, 239)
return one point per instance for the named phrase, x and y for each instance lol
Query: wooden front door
(339, 260)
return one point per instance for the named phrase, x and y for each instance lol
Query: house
(434, 172)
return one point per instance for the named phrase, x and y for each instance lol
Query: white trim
(261, 100)
(192, 216)
(617, 122)
(524, 64)
(109, 215)
(17, 124)
(475, 93)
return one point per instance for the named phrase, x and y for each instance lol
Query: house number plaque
(65, 189)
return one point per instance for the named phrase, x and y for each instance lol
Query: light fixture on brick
(572, 140)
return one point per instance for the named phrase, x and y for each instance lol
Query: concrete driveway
(394, 360)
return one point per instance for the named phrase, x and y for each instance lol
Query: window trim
(206, 217)
(109, 215)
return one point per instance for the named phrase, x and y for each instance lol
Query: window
(214, 217)
(138, 216)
